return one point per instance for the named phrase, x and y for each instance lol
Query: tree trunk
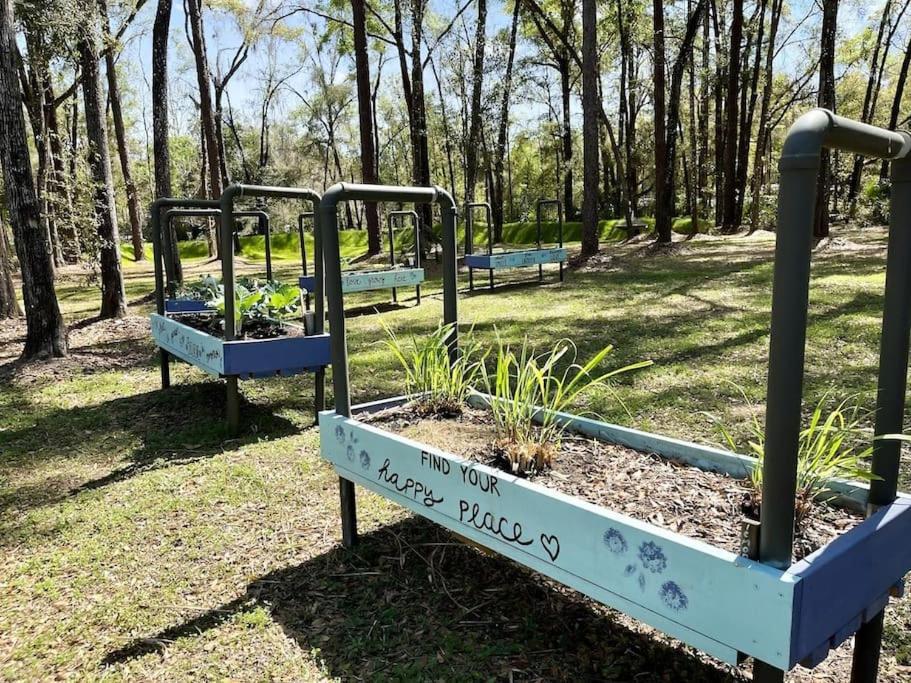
(897, 103)
(419, 107)
(498, 195)
(113, 297)
(826, 100)
(590, 107)
(121, 135)
(662, 221)
(718, 29)
(206, 112)
(365, 120)
(747, 114)
(160, 140)
(664, 212)
(762, 132)
(46, 333)
(9, 304)
(567, 135)
(477, 81)
(729, 220)
(865, 114)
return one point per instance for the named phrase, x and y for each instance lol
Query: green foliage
(441, 387)
(206, 288)
(527, 391)
(831, 446)
(873, 203)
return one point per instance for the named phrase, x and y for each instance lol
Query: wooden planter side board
(709, 598)
(246, 358)
(185, 306)
(516, 259)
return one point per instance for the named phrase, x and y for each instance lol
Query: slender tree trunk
(365, 119)
(865, 115)
(121, 135)
(9, 304)
(46, 333)
(827, 100)
(58, 186)
(419, 107)
(113, 297)
(503, 129)
(160, 140)
(206, 111)
(567, 135)
(662, 221)
(718, 28)
(897, 103)
(590, 107)
(477, 81)
(747, 113)
(664, 212)
(729, 220)
(762, 132)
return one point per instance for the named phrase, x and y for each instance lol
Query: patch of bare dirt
(94, 346)
(667, 493)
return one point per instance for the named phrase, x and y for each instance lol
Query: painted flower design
(615, 542)
(340, 434)
(672, 596)
(365, 460)
(652, 557)
(350, 453)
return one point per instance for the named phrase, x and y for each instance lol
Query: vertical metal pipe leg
(763, 673)
(470, 279)
(319, 393)
(233, 405)
(540, 272)
(491, 278)
(349, 512)
(165, 358)
(395, 295)
(417, 293)
(890, 395)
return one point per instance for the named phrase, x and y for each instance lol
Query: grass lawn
(139, 542)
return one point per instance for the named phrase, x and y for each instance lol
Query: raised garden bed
(246, 358)
(368, 280)
(701, 593)
(516, 259)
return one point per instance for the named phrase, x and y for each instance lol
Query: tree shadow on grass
(156, 429)
(411, 603)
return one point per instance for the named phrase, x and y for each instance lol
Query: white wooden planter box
(723, 604)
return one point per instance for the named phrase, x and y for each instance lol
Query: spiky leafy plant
(440, 387)
(527, 390)
(833, 445)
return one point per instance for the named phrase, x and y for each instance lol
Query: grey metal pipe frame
(416, 221)
(226, 204)
(301, 217)
(261, 216)
(162, 249)
(328, 226)
(541, 204)
(799, 167)
(469, 236)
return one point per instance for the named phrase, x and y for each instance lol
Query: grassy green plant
(527, 391)
(834, 445)
(442, 387)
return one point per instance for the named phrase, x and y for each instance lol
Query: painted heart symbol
(552, 545)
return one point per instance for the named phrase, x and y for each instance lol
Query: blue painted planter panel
(706, 597)
(185, 306)
(195, 347)
(845, 583)
(381, 279)
(516, 259)
(307, 282)
(244, 358)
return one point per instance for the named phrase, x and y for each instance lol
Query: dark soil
(253, 328)
(667, 493)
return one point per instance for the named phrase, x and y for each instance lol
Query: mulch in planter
(253, 328)
(667, 493)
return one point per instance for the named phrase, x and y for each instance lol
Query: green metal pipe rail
(799, 168)
(416, 222)
(328, 225)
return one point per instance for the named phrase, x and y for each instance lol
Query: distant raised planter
(518, 258)
(243, 358)
(185, 306)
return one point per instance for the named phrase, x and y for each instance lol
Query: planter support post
(538, 210)
(890, 395)
(416, 222)
(469, 236)
(799, 167)
(327, 228)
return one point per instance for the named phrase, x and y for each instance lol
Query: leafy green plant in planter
(527, 390)
(833, 445)
(441, 389)
(206, 288)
